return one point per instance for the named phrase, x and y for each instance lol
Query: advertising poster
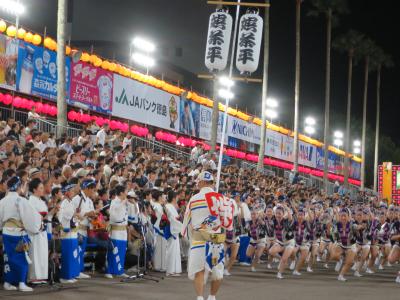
(335, 162)
(243, 130)
(189, 117)
(307, 154)
(37, 71)
(205, 124)
(91, 86)
(278, 145)
(145, 104)
(355, 170)
(8, 61)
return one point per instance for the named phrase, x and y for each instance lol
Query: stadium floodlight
(226, 82)
(12, 7)
(226, 94)
(272, 103)
(356, 150)
(338, 134)
(309, 130)
(357, 144)
(143, 60)
(143, 44)
(338, 142)
(271, 114)
(310, 121)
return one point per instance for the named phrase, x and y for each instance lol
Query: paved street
(242, 285)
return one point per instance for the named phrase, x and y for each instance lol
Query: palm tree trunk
(378, 116)
(297, 90)
(327, 94)
(260, 163)
(214, 119)
(364, 128)
(348, 120)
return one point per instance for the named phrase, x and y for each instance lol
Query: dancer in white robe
(160, 243)
(17, 218)
(38, 252)
(207, 216)
(173, 253)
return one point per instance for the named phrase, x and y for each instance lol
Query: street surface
(242, 284)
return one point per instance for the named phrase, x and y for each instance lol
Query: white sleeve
(30, 218)
(175, 225)
(65, 215)
(117, 211)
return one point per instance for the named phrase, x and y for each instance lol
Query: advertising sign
(243, 130)
(278, 145)
(205, 124)
(335, 162)
(307, 154)
(91, 86)
(8, 61)
(37, 71)
(145, 104)
(189, 117)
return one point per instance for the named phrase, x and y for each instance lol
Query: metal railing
(159, 147)
(44, 125)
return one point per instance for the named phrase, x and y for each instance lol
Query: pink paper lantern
(134, 129)
(29, 104)
(100, 121)
(125, 127)
(8, 99)
(159, 135)
(2, 97)
(17, 102)
(145, 131)
(38, 107)
(71, 115)
(54, 111)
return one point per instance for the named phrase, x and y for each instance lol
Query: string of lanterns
(95, 60)
(19, 102)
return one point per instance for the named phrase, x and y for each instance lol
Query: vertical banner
(37, 71)
(249, 42)
(307, 154)
(91, 86)
(142, 103)
(218, 40)
(189, 117)
(8, 61)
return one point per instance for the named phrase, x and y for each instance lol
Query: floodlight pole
(61, 100)
(221, 148)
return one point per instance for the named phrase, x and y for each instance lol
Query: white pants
(173, 256)
(39, 255)
(160, 249)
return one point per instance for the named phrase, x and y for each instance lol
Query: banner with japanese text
(206, 121)
(142, 103)
(335, 162)
(37, 71)
(8, 61)
(280, 146)
(92, 87)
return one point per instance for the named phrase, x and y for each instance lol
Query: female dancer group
(356, 237)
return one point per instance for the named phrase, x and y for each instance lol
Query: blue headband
(16, 185)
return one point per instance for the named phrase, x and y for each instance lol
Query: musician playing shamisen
(17, 219)
(206, 218)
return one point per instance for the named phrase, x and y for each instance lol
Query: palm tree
(349, 43)
(379, 60)
(331, 9)
(367, 50)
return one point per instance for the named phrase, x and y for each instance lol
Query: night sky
(183, 23)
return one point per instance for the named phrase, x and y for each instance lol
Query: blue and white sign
(307, 154)
(205, 124)
(335, 162)
(37, 71)
(242, 130)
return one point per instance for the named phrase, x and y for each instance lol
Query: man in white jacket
(207, 216)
